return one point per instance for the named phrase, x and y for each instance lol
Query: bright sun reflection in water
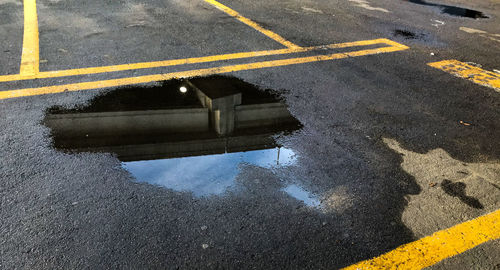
(205, 175)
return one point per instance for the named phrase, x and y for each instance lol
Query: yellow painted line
(16, 77)
(196, 72)
(30, 56)
(469, 72)
(252, 24)
(145, 65)
(438, 246)
(194, 60)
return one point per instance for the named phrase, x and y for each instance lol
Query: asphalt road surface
(390, 149)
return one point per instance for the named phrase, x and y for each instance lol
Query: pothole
(453, 10)
(186, 135)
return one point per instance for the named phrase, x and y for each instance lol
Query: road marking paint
(437, 23)
(469, 72)
(482, 33)
(145, 65)
(203, 72)
(30, 55)
(472, 30)
(364, 4)
(252, 24)
(195, 60)
(313, 10)
(438, 246)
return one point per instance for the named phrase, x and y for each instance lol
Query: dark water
(407, 34)
(167, 135)
(453, 10)
(166, 95)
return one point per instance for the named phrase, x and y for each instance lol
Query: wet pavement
(453, 10)
(310, 166)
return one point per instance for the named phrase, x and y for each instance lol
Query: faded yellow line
(252, 24)
(469, 72)
(438, 246)
(30, 56)
(192, 73)
(194, 60)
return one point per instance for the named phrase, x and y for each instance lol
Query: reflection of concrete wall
(169, 133)
(222, 116)
(189, 148)
(256, 115)
(222, 112)
(227, 113)
(129, 122)
(192, 120)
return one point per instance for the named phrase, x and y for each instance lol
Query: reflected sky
(205, 175)
(302, 195)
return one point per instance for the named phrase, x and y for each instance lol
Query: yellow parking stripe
(252, 24)
(194, 60)
(30, 56)
(469, 72)
(144, 65)
(438, 246)
(193, 73)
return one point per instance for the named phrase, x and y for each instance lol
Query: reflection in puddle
(302, 195)
(453, 10)
(205, 175)
(186, 135)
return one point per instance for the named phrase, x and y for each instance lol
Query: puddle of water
(303, 195)
(205, 175)
(453, 10)
(167, 95)
(186, 135)
(463, 12)
(407, 34)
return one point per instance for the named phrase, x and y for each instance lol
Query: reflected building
(187, 135)
(200, 116)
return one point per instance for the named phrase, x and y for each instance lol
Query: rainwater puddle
(205, 175)
(406, 34)
(453, 10)
(187, 135)
(303, 195)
